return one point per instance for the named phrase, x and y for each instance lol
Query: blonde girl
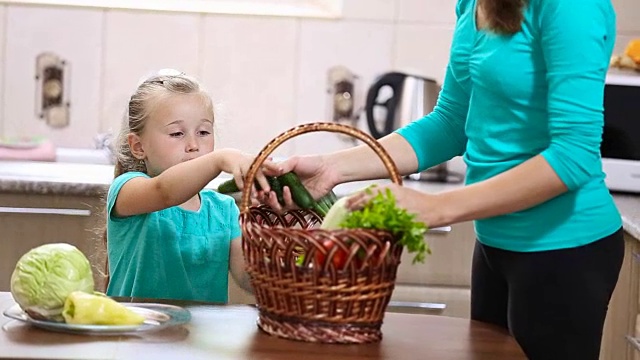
(166, 236)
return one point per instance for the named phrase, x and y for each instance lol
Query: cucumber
(299, 193)
(276, 186)
(228, 187)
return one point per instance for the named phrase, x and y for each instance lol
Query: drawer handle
(443, 229)
(43, 211)
(635, 342)
(418, 305)
(636, 256)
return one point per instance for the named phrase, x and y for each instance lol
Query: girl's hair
(504, 16)
(141, 104)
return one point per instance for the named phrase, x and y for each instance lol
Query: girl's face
(179, 128)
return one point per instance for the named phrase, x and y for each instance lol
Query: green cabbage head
(46, 275)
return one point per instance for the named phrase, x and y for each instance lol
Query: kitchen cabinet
(30, 220)
(621, 327)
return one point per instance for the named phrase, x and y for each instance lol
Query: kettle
(396, 99)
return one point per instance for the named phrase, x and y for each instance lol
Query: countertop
(230, 332)
(93, 180)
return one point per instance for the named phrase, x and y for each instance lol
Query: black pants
(553, 302)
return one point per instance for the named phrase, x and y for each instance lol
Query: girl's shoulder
(122, 178)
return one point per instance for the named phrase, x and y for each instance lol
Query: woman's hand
(431, 209)
(315, 173)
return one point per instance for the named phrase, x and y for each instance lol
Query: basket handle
(312, 127)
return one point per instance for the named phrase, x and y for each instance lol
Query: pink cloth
(45, 151)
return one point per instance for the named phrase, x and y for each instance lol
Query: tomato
(339, 258)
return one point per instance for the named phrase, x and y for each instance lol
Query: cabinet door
(623, 307)
(28, 221)
(449, 263)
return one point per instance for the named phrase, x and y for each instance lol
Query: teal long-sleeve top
(508, 98)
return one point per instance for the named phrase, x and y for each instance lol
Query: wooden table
(230, 332)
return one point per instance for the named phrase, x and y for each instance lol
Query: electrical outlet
(52, 90)
(341, 104)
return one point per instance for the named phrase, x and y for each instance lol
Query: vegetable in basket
(46, 275)
(380, 213)
(97, 309)
(299, 193)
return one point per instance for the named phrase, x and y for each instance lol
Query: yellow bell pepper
(633, 50)
(91, 309)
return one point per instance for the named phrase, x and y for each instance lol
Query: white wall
(265, 74)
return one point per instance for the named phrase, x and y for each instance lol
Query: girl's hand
(431, 209)
(314, 172)
(237, 163)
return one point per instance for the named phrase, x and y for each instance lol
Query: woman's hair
(142, 103)
(504, 16)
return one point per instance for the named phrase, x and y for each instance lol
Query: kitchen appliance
(396, 99)
(620, 148)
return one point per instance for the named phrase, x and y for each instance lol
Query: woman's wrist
(450, 209)
(339, 163)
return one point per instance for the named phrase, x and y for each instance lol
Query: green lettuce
(382, 213)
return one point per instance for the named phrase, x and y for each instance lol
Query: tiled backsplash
(265, 74)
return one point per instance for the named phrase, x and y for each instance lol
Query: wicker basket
(316, 302)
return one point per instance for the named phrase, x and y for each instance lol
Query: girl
(525, 112)
(166, 237)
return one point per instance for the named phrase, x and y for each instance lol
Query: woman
(522, 103)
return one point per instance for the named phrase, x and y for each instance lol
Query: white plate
(157, 317)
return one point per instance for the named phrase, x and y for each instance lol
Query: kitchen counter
(89, 179)
(230, 332)
(93, 180)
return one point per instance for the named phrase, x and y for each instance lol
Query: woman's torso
(508, 123)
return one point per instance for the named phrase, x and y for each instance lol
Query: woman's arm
(519, 188)
(431, 140)
(237, 265)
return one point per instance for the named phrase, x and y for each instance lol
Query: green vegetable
(228, 187)
(382, 213)
(336, 215)
(276, 187)
(299, 193)
(46, 275)
(91, 309)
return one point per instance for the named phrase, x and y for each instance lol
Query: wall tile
(248, 67)
(627, 15)
(423, 50)
(137, 44)
(427, 11)
(363, 48)
(370, 9)
(73, 34)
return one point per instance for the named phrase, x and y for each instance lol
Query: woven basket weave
(314, 301)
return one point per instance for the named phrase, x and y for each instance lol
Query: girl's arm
(183, 181)
(237, 265)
